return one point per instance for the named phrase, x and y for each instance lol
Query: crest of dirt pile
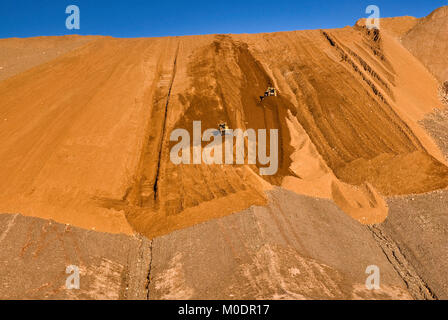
(427, 41)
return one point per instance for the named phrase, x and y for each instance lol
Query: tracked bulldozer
(270, 92)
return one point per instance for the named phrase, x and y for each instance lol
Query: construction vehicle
(270, 92)
(223, 129)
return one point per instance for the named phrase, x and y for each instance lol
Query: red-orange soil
(85, 135)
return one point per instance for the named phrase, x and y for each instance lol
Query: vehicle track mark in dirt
(417, 287)
(148, 277)
(141, 193)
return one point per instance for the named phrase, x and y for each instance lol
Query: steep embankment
(272, 252)
(86, 136)
(397, 26)
(427, 41)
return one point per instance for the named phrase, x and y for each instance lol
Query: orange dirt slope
(85, 136)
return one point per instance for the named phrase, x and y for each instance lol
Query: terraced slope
(18, 55)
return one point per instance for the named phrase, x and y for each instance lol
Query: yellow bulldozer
(270, 92)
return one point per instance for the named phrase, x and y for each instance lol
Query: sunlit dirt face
(96, 140)
(313, 164)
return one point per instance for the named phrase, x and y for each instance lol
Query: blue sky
(140, 18)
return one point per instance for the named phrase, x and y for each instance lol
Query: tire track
(417, 287)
